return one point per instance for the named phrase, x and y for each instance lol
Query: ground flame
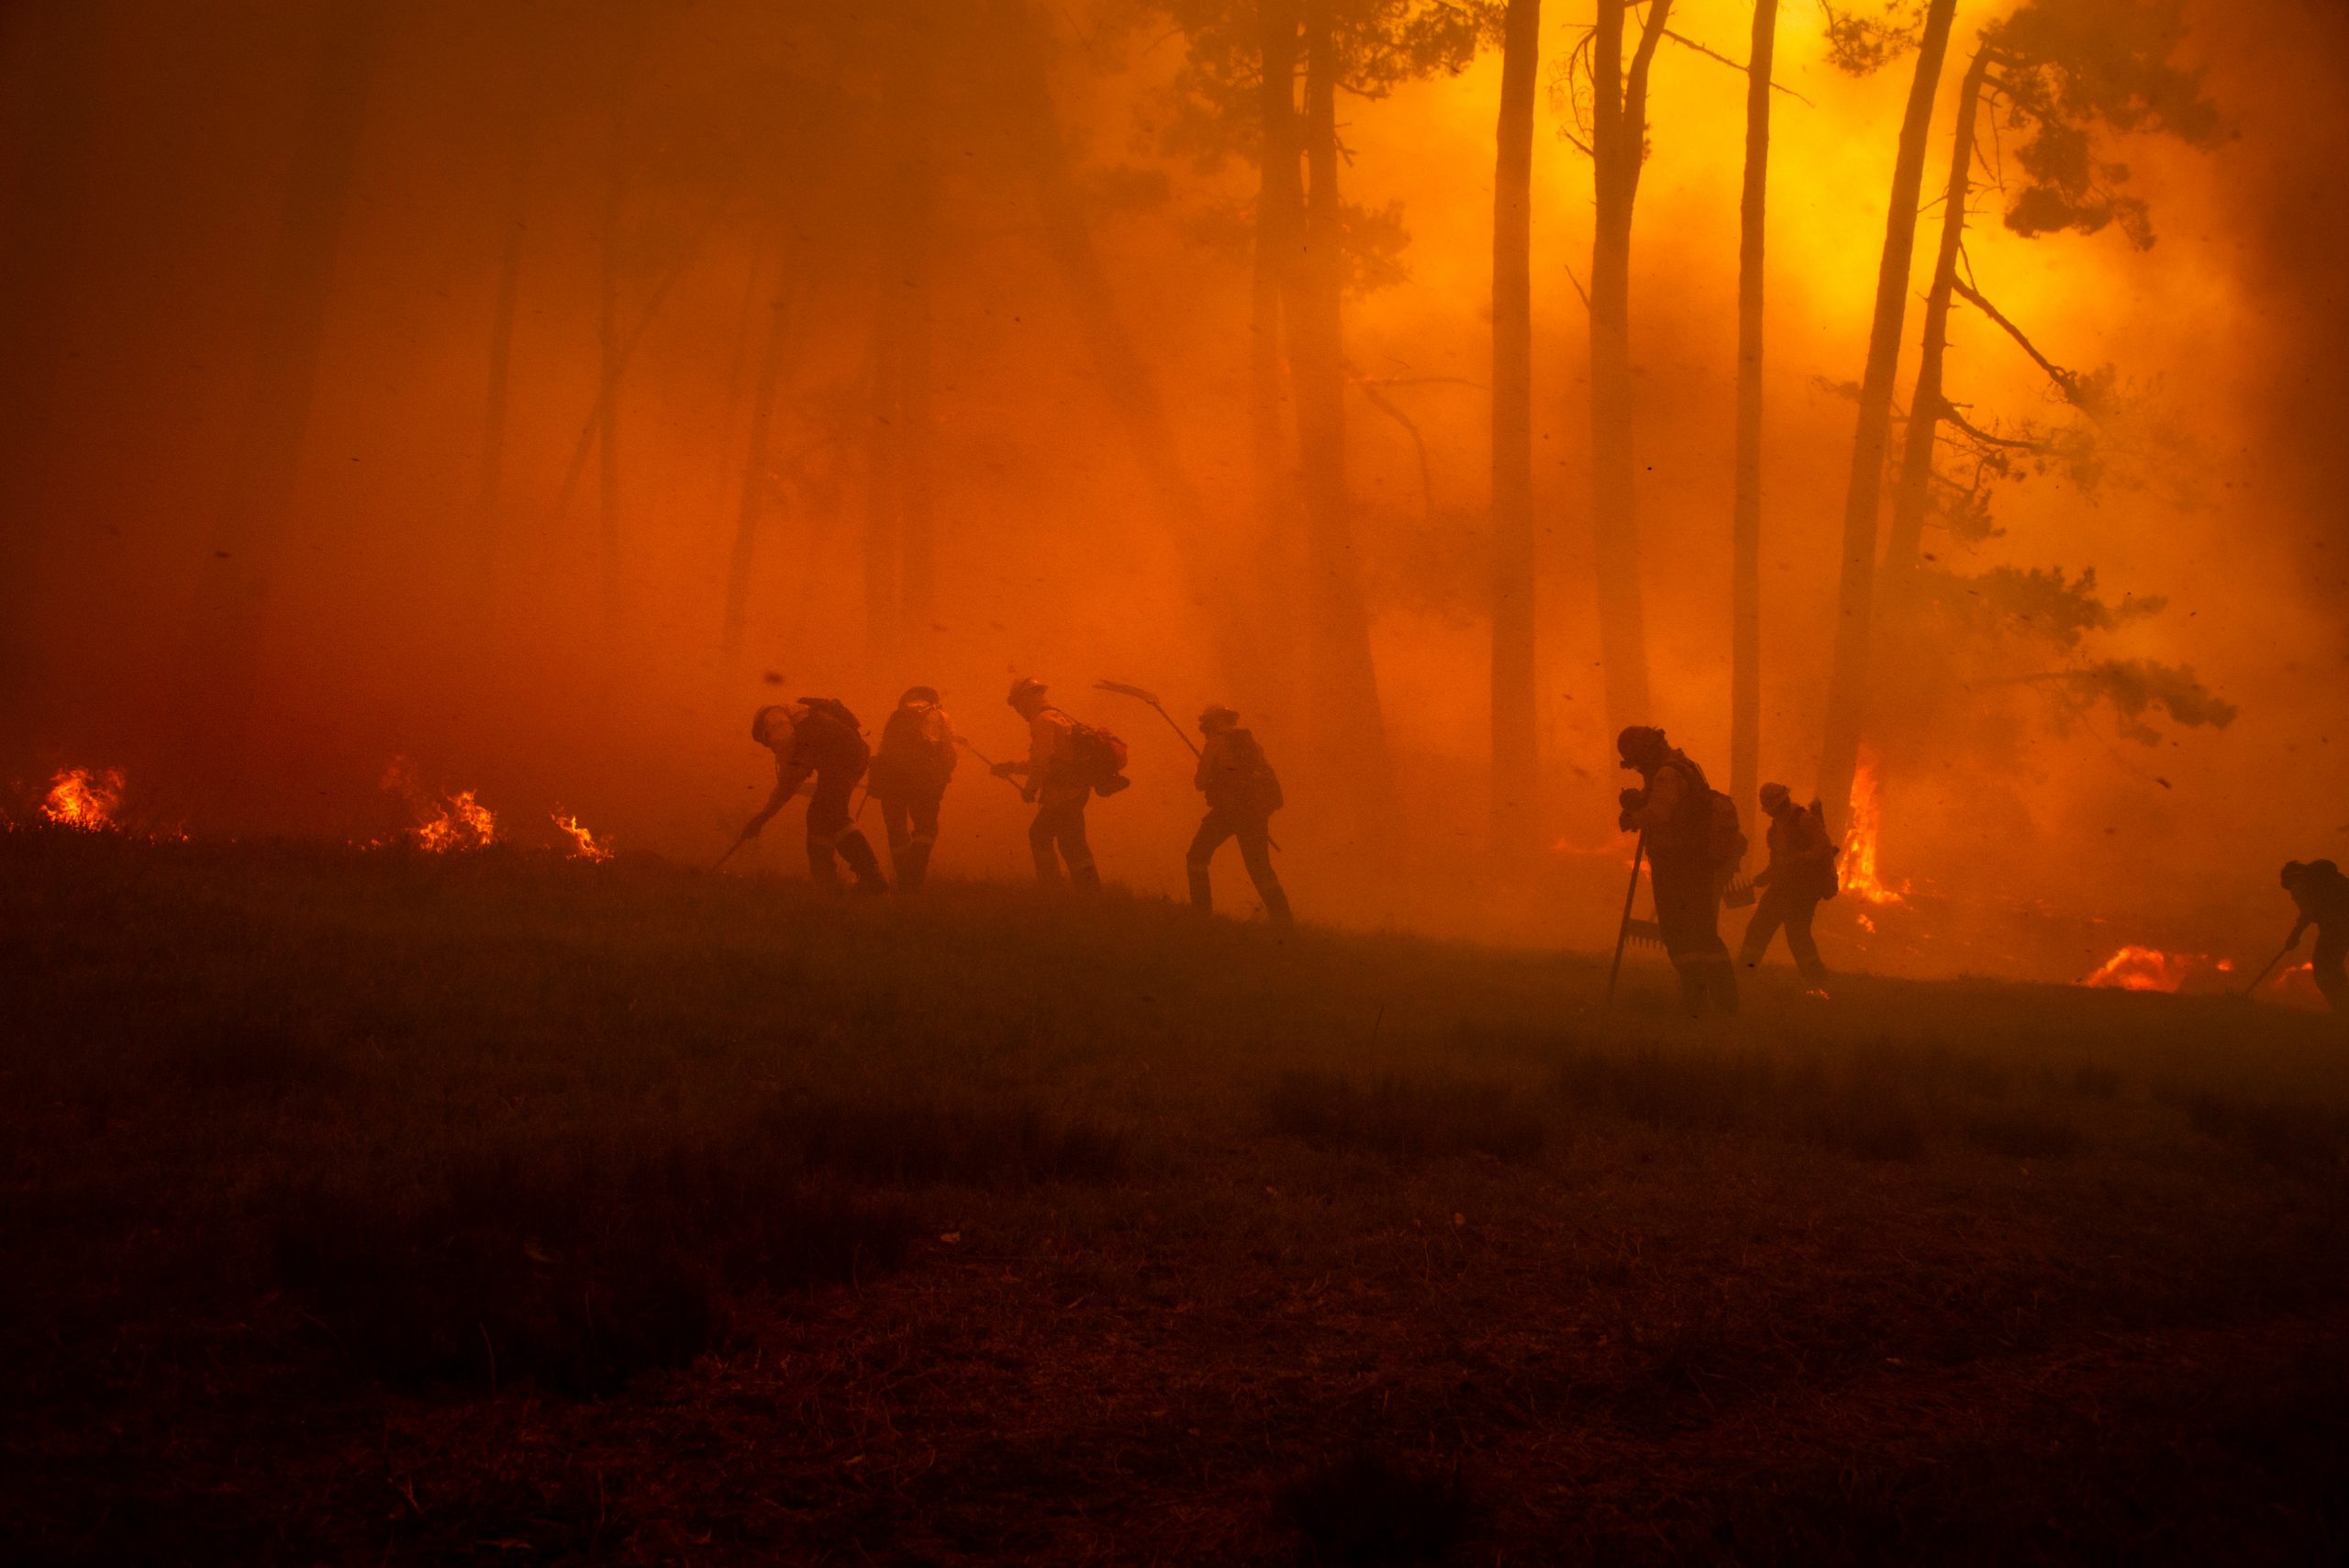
(583, 843)
(457, 822)
(1860, 876)
(2136, 968)
(79, 798)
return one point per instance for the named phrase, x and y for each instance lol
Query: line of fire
(1100, 781)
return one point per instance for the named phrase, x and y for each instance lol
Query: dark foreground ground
(370, 1209)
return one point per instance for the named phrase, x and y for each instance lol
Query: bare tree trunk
(1514, 714)
(1913, 490)
(914, 301)
(488, 502)
(773, 356)
(222, 674)
(1126, 382)
(1745, 615)
(1280, 216)
(1618, 145)
(1350, 731)
(885, 370)
(611, 361)
(1863, 499)
(57, 53)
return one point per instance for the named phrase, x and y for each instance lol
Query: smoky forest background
(1940, 398)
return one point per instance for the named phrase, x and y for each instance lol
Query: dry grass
(367, 1209)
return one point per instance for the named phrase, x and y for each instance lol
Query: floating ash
(454, 822)
(80, 799)
(583, 846)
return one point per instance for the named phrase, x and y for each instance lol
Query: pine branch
(1686, 42)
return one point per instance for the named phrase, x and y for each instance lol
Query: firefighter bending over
(1802, 872)
(1243, 794)
(2322, 895)
(1060, 780)
(908, 778)
(818, 736)
(1686, 860)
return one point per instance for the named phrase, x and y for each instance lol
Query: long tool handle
(2258, 979)
(1623, 931)
(1179, 730)
(730, 852)
(982, 756)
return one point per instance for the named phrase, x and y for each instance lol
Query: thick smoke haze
(311, 307)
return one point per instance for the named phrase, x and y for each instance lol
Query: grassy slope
(510, 1208)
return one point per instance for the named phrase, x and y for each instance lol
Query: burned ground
(374, 1207)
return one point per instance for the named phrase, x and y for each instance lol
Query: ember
(79, 798)
(583, 846)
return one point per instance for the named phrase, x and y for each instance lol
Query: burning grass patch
(1405, 1118)
(577, 1272)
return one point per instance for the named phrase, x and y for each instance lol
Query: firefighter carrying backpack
(1100, 758)
(832, 707)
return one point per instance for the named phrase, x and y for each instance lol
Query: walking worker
(1674, 808)
(908, 778)
(818, 736)
(1243, 794)
(1060, 781)
(1802, 872)
(2321, 894)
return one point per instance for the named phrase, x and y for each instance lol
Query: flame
(78, 798)
(2136, 968)
(1860, 877)
(582, 842)
(459, 822)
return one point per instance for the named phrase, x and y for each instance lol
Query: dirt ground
(368, 1207)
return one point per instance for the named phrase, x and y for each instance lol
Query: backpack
(832, 707)
(909, 757)
(1100, 757)
(1260, 785)
(1724, 835)
(1831, 883)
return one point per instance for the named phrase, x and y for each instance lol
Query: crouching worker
(908, 778)
(1060, 781)
(1686, 863)
(1802, 872)
(818, 736)
(1243, 794)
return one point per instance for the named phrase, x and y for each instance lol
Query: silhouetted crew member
(1802, 872)
(2322, 895)
(908, 778)
(1243, 794)
(818, 736)
(1057, 782)
(1674, 809)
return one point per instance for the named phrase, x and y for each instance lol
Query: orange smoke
(2136, 968)
(1861, 877)
(457, 822)
(78, 798)
(583, 846)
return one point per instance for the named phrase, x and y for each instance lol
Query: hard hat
(1218, 716)
(765, 715)
(1773, 796)
(1637, 740)
(2293, 872)
(918, 694)
(1024, 689)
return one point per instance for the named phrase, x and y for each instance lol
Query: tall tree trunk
(1280, 218)
(1864, 494)
(1912, 491)
(884, 373)
(915, 303)
(1126, 382)
(1514, 717)
(56, 53)
(773, 355)
(1745, 615)
(611, 361)
(222, 674)
(1349, 730)
(1618, 145)
(489, 498)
